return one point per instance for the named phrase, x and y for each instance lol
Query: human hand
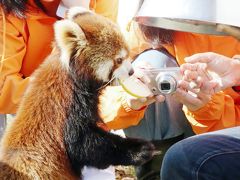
(193, 98)
(226, 68)
(195, 89)
(137, 103)
(197, 78)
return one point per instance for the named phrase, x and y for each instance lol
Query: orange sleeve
(12, 84)
(221, 112)
(115, 111)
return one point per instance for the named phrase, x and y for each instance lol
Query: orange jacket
(224, 109)
(27, 43)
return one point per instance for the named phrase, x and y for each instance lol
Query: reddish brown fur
(48, 150)
(110, 38)
(34, 142)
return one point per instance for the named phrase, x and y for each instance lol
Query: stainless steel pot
(200, 16)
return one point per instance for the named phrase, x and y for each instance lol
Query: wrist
(236, 72)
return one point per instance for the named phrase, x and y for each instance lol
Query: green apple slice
(135, 87)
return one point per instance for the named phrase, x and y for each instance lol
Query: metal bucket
(200, 16)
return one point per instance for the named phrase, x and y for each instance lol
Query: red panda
(55, 131)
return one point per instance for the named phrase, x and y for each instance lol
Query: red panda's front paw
(142, 152)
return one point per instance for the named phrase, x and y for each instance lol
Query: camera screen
(165, 86)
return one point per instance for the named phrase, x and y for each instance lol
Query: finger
(200, 57)
(150, 100)
(185, 85)
(160, 98)
(190, 75)
(143, 100)
(203, 73)
(153, 99)
(205, 98)
(192, 71)
(186, 98)
(197, 67)
(209, 87)
(137, 103)
(195, 86)
(188, 66)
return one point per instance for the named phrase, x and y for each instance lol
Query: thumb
(199, 58)
(160, 98)
(150, 100)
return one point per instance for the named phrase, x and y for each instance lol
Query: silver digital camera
(163, 80)
(163, 71)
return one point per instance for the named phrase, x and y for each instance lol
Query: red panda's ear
(75, 11)
(69, 37)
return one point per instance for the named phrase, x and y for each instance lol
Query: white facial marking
(122, 54)
(122, 72)
(103, 70)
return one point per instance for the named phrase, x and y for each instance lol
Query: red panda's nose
(131, 72)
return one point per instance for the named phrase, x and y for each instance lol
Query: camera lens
(165, 86)
(166, 83)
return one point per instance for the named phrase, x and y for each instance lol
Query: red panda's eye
(119, 60)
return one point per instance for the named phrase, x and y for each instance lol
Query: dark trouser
(211, 156)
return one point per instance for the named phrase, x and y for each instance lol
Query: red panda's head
(92, 44)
